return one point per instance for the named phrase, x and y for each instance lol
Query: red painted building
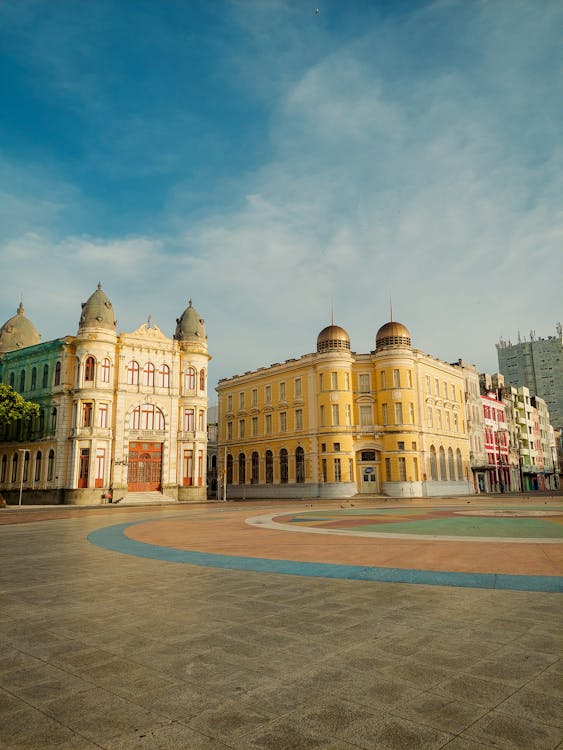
(496, 442)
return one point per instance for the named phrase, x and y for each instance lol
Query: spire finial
(99, 286)
(149, 321)
(190, 302)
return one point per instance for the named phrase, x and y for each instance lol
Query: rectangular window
(268, 394)
(254, 397)
(241, 428)
(430, 417)
(335, 415)
(201, 420)
(456, 425)
(415, 464)
(409, 378)
(103, 415)
(398, 413)
(324, 469)
(411, 412)
(439, 413)
(428, 384)
(189, 416)
(299, 419)
(347, 381)
(453, 392)
(436, 386)
(448, 423)
(254, 426)
(337, 470)
(322, 415)
(268, 424)
(396, 379)
(282, 391)
(363, 382)
(321, 382)
(402, 469)
(87, 415)
(413, 446)
(298, 388)
(323, 447)
(382, 379)
(385, 414)
(334, 381)
(348, 415)
(401, 445)
(229, 430)
(283, 421)
(387, 469)
(188, 468)
(229, 403)
(336, 447)
(241, 400)
(351, 469)
(100, 466)
(365, 416)
(445, 390)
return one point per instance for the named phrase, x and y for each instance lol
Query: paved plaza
(362, 624)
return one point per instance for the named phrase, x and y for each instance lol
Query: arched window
(433, 465)
(54, 419)
(451, 467)
(269, 467)
(443, 475)
(241, 468)
(147, 417)
(189, 379)
(255, 476)
(229, 469)
(12, 379)
(45, 381)
(58, 373)
(148, 374)
(133, 373)
(3, 468)
(164, 376)
(284, 472)
(51, 465)
(22, 381)
(89, 367)
(202, 379)
(42, 422)
(38, 459)
(299, 465)
(15, 458)
(459, 464)
(106, 366)
(33, 378)
(26, 456)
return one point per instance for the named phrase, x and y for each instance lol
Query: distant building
(119, 412)
(536, 364)
(334, 423)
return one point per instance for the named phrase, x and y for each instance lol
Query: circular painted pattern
(516, 524)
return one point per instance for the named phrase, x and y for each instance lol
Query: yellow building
(335, 423)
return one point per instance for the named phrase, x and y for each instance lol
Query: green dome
(18, 332)
(97, 312)
(190, 327)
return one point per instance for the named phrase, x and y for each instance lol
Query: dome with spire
(189, 326)
(97, 312)
(332, 337)
(392, 334)
(18, 332)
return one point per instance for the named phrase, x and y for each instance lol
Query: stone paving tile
(65, 686)
(514, 666)
(171, 737)
(422, 675)
(231, 720)
(440, 713)
(465, 687)
(544, 708)
(513, 733)
(30, 729)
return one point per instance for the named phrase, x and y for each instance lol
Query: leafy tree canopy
(13, 406)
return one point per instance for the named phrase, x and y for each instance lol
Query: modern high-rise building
(536, 364)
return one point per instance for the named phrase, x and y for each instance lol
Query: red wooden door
(144, 467)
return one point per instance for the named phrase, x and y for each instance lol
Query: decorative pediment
(149, 332)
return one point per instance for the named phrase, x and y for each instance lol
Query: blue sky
(267, 162)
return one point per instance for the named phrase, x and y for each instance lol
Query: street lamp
(23, 451)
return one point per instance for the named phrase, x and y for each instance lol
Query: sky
(274, 164)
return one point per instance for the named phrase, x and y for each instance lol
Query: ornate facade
(120, 413)
(334, 423)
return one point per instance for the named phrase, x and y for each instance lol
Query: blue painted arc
(113, 538)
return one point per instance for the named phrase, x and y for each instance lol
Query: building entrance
(368, 470)
(144, 467)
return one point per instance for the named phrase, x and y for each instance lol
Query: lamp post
(23, 451)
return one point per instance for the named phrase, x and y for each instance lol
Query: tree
(13, 407)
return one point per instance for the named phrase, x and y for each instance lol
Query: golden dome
(332, 337)
(392, 334)
(18, 333)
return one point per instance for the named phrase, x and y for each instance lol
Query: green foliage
(13, 406)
